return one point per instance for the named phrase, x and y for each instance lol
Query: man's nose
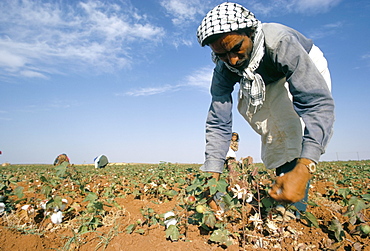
(233, 58)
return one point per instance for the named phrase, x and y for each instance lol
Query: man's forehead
(227, 42)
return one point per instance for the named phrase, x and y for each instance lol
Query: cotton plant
(241, 193)
(56, 212)
(256, 219)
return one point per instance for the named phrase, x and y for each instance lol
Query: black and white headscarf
(228, 17)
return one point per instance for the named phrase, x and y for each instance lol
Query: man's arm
(312, 99)
(219, 119)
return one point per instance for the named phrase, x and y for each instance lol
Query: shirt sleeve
(312, 99)
(219, 120)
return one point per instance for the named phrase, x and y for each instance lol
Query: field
(125, 207)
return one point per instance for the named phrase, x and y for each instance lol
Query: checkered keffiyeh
(229, 17)
(225, 17)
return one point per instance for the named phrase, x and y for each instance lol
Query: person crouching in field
(60, 159)
(285, 95)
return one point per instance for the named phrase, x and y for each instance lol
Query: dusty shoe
(221, 205)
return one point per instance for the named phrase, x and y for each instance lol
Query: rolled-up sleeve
(219, 119)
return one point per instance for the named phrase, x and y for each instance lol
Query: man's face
(234, 49)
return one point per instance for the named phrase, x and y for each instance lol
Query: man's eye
(236, 49)
(221, 55)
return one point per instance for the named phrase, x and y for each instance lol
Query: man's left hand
(291, 186)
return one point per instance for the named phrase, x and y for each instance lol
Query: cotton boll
(25, 207)
(56, 218)
(2, 207)
(43, 204)
(171, 219)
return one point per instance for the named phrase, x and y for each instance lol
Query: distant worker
(101, 161)
(60, 159)
(234, 146)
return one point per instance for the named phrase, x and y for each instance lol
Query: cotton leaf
(130, 228)
(90, 197)
(19, 192)
(311, 219)
(221, 236)
(337, 228)
(172, 232)
(209, 220)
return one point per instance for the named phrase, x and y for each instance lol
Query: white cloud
(54, 38)
(313, 6)
(276, 7)
(200, 78)
(183, 12)
(325, 30)
(32, 74)
(150, 91)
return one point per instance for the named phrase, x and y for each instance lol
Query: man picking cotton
(284, 95)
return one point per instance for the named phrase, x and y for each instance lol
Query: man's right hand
(291, 186)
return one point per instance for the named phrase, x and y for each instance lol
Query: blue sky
(128, 79)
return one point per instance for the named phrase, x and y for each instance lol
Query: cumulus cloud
(313, 6)
(184, 12)
(325, 30)
(200, 79)
(41, 37)
(276, 7)
(149, 91)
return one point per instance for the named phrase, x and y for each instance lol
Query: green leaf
(140, 231)
(98, 205)
(337, 228)
(312, 204)
(83, 229)
(90, 197)
(19, 192)
(344, 192)
(46, 190)
(221, 236)
(209, 219)
(359, 205)
(196, 183)
(54, 203)
(130, 228)
(171, 193)
(366, 197)
(217, 186)
(61, 169)
(311, 219)
(172, 232)
(116, 205)
(43, 179)
(267, 202)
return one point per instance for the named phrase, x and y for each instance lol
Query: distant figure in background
(101, 161)
(234, 146)
(60, 159)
